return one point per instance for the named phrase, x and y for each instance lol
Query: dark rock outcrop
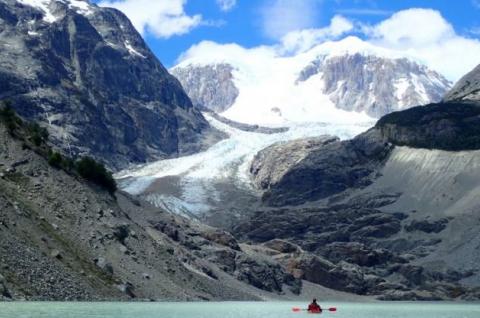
(89, 77)
(450, 126)
(426, 226)
(311, 169)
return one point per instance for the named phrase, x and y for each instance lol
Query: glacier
(198, 179)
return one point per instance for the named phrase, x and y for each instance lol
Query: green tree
(96, 172)
(8, 116)
(55, 159)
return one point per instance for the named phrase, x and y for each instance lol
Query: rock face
(209, 86)
(358, 82)
(391, 212)
(64, 239)
(376, 85)
(450, 126)
(88, 76)
(311, 169)
(467, 88)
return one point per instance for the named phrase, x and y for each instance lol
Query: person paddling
(314, 307)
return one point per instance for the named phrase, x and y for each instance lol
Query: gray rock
(282, 246)
(311, 169)
(127, 288)
(56, 254)
(3, 288)
(247, 127)
(467, 88)
(449, 126)
(376, 85)
(209, 86)
(426, 226)
(320, 271)
(103, 264)
(71, 76)
(222, 238)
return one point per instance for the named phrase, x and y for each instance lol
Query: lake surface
(234, 310)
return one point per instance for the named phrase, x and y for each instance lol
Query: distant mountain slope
(318, 85)
(376, 85)
(87, 74)
(397, 204)
(467, 88)
(62, 238)
(209, 86)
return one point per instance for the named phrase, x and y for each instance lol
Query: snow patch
(401, 87)
(132, 51)
(267, 80)
(80, 6)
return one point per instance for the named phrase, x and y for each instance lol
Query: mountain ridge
(345, 75)
(89, 77)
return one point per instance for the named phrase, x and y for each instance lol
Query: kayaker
(314, 307)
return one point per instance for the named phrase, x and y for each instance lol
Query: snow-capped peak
(47, 7)
(337, 82)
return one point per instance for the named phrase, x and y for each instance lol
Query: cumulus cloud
(420, 34)
(425, 35)
(300, 41)
(413, 27)
(280, 17)
(226, 5)
(207, 51)
(162, 19)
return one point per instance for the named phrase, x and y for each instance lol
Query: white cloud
(280, 17)
(413, 27)
(163, 18)
(226, 5)
(419, 34)
(426, 36)
(300, 41)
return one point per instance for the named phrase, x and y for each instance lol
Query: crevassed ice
(227, 161)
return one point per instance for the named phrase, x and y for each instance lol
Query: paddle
(296, 309)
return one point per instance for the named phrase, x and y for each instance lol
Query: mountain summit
(339, 81)
(86, 74)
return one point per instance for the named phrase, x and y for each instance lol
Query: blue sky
(244, 22)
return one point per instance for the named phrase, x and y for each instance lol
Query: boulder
(221, 237)
(427, 226)
(282, 246)
(103, 264)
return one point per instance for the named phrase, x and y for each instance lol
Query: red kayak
(296, 309)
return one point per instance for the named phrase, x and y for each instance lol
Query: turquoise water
(233, 310)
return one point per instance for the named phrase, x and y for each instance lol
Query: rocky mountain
(317, 85)
(467, 88)
(87, 244)
(86, 74)
(209, 86)
(393, 211)
(375, 85)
